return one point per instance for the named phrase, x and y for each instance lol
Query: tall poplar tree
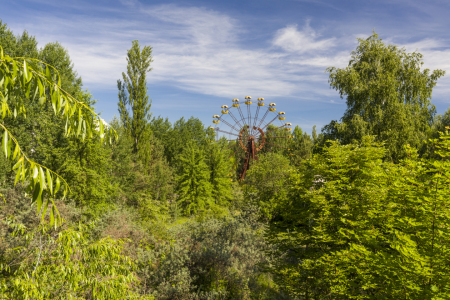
(134, 105)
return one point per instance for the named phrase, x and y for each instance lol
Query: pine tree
(134, 105)
(220, 177)
(194, 188)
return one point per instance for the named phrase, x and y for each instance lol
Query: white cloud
(292, 40)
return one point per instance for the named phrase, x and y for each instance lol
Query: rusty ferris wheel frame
(248, 132)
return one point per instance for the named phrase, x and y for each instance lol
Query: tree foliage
(134, 106)
(387, 94)
(355, 227)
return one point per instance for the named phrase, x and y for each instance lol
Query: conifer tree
(220, 177)
(194, 188)
(134, 105)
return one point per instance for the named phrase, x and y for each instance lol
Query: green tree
(220, 174)
(175, 137)
(387, 94)
(266, 183)
(193, 186)
(134, 105)
(28, 85)
(355, 227)
(301, 146)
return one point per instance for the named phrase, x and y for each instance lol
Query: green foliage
(387, 95)
(220, 177)
(65, 265)
(355, 227)
(25, 83)
(176, 137)
(266, 183)
(301, 146)
(193, 185)
(134, 106)
(195, 264)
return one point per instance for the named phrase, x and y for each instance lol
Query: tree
(194, 188)
(387, 95)
(29, 82)
(220, 174)
(266, 183)
(134, 105)
(301, 146)
(355, 227)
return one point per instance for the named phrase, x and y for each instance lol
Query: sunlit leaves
(68, 265)
(20, 76)
(39, 178)
(25, 78)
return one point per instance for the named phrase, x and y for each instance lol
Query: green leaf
(48, 74)
(25, 71)
(41, 87)
(58, 184)
(16, 151)
(44, 210)
(19, 162)
(52, 215)
(5, 143)
(17, 176)
(37, 195)
(15, 69)
(42, 179)
(49, 181)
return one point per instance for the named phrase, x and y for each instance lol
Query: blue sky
(208, 52)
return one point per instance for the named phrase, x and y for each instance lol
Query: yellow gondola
(216, 116)
(272, 107)
(248, 97)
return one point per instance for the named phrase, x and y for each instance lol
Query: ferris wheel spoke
(241, 114)
(269, 122)
(225, 122)
(235, 119)
(272, 129)
(227, 131)
(256, 116)
(262, 120)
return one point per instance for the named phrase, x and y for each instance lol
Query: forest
(142, 208)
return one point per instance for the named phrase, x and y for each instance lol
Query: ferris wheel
(261, 129)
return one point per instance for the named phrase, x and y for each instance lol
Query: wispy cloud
(205, 51)
(293, 40)
(195, 49)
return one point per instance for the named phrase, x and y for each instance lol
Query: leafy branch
(26, 78)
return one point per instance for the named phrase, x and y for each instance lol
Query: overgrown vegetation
(359, 211)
